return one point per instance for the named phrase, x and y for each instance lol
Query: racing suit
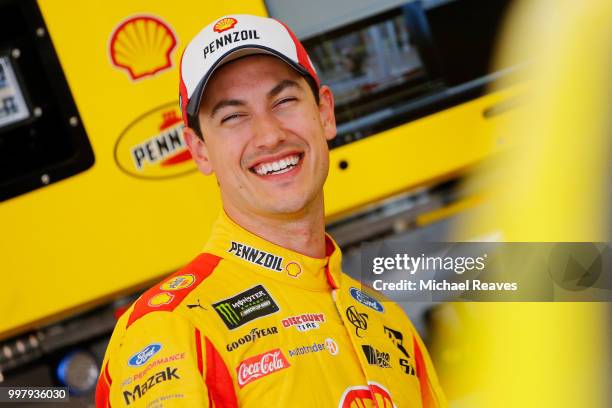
(251, 324)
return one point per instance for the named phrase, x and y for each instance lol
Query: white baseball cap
(226, 39)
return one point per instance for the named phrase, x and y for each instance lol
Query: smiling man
(264, 316)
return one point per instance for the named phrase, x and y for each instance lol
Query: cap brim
(193, 105)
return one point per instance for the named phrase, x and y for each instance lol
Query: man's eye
(286, 100)
(230, 117)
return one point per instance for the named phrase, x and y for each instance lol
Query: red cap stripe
(302, 54)
(183, 91)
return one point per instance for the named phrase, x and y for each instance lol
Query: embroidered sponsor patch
(397, 338)
(224, 24)
(357, 319)
(256, 256)
(223, 41)
(330, 345)
(245, 307)
(178, 282)
(293, 269)
(304, 322)
(261, 365)
(366, 300)
(160, 299)
(365, 396)
(251, 337)
(140, 358)
(168, 374)
(376, 357)
(151, 365)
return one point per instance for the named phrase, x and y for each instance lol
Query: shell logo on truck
(152, 146)
(142, 45)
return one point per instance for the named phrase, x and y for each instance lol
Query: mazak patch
(245, 307)
(167, 374)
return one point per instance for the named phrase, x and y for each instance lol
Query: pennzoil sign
(152, 146)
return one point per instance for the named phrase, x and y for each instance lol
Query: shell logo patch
(224, 24)
(374, 395)
(178, 282)
(293, 269)
(161, 299)
(152, 146)
(142, 46)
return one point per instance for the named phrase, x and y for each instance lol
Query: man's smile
(277, 165)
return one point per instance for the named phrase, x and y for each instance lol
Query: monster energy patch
(245, 307)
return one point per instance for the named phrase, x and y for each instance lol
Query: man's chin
(285, 206)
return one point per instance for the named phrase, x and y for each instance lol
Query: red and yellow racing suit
(252, 324)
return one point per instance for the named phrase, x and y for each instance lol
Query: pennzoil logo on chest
(256, 256)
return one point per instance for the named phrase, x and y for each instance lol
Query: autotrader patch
(245, 307)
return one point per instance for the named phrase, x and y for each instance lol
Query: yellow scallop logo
(225, 24)
(142, 46)
(161, 299)
(293, 269)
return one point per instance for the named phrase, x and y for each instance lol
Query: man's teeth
(277, 167)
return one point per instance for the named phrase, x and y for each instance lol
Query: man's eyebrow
(226, 102)
(284, 84)
(287, 83)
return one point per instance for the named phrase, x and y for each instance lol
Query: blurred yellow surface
(553, 187)
(142, 210)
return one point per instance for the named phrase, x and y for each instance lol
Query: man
(264, 316)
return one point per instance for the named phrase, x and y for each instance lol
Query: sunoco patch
(245, 307)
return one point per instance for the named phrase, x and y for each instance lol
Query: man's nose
(267, 131)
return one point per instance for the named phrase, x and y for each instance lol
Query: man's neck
(303, 233)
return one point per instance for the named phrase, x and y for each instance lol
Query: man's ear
(198, 150)
(326, 111)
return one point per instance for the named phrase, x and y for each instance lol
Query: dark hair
(312, 84)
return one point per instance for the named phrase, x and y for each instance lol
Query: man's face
(265, 138)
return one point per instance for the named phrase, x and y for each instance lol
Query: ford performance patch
(245, 307)
(140, 358)
(367, 300)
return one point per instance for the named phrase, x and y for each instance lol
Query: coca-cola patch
(256, 367)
